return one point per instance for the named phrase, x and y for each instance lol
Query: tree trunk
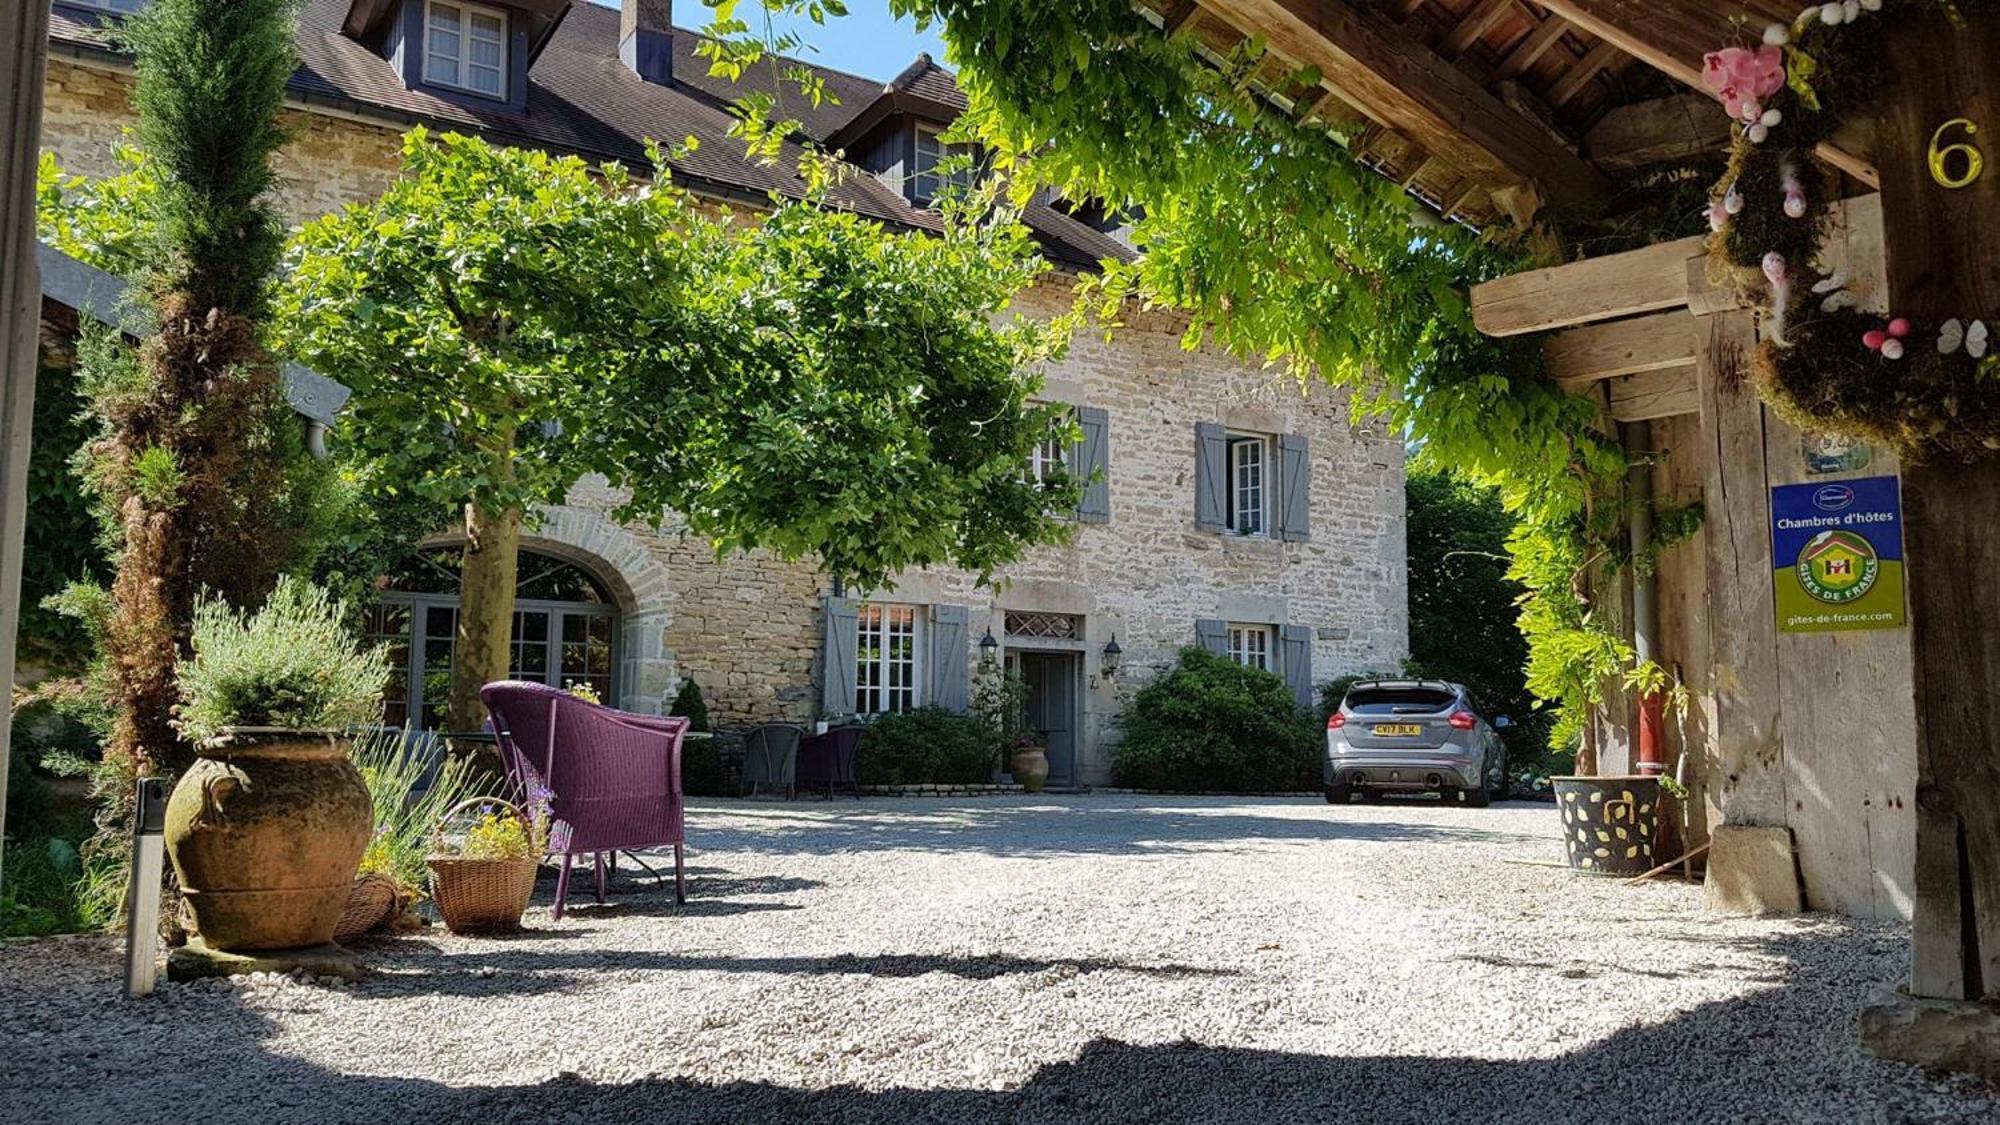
(485, 610)
(1943, 250)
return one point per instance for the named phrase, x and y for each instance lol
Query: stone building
(1234, 509)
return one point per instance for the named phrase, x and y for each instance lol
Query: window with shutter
(840, 620)
(1294, 489)
(1212, 635)
(1295, 661)
(1093, 464)
(948, 674)
(1211, 476)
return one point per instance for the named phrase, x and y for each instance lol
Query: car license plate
(1397, 730)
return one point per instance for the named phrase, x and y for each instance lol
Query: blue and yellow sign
(1838, 553)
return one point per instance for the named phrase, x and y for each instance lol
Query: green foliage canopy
(1284, 247)
(810, 382)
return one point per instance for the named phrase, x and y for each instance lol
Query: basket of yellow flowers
(483, 866)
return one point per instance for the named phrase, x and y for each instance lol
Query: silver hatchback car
(1414, 736)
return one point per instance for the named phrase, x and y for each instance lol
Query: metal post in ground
(142, 897)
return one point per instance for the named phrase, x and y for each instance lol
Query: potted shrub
(267, 828)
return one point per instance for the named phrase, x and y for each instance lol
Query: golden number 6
(1975, 160)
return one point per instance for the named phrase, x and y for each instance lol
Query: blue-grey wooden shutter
(1295, 660)
(842, 627)
(1092, 462)
(1212, 635)
(1294, 489)
(1211, 477)
(948, 684)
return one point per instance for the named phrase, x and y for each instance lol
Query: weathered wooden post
(1942, 242)
(1943, 250)
(24, 36)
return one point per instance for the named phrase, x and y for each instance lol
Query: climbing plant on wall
(1280, 245)
(1826, 364)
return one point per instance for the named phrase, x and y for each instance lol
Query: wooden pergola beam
(1672, 36)
(1623, 347)
(1388, 74)
(1616, 285)
(1657, 131)
(1652, 395)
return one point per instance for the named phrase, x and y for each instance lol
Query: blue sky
(868, 41)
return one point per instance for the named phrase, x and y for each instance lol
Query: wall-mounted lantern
(987, 647)
(1112, 655)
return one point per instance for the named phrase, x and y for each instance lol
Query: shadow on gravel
(420, 968)
(1063, 829)
(1780, 1054)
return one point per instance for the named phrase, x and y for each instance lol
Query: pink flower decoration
(1743, 78)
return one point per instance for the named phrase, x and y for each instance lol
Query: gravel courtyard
(1034, 960)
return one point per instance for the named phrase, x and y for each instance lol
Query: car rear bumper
(1410, 770)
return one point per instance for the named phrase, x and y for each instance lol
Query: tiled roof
(582, 100)
(926, 79)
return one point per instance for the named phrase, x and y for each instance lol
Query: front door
(1051, 678)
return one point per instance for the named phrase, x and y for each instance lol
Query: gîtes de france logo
(1837, 567)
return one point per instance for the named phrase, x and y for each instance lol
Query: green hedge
(1212, 725)
(927, 746)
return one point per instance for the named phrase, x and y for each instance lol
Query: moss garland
(1823, 376)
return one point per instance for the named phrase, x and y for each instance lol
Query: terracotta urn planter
(266, 831)
(1031, 767)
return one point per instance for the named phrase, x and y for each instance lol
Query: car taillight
(1335, 721)
(1463, 720)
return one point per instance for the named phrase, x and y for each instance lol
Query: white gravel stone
(1027, 960)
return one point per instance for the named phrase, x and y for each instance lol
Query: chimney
(646, 39)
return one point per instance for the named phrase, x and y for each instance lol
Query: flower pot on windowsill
(266, 832)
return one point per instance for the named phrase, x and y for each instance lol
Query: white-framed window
(929, 181)
(888, 660)
(1048, 459)
(465, 47)
(1250, 646)
(118, 7)
(1249, 468)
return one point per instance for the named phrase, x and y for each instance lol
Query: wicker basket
(480, 895)
(370, 902)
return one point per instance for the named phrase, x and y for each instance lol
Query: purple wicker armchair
(616, 776)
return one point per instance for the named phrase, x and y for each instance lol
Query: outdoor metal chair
(828, 760)
(615, 777)
(771, 757)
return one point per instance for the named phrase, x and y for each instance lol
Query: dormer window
(929, 181)
(116, 7)
(465, 48)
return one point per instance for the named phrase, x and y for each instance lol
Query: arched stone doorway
(591, 607)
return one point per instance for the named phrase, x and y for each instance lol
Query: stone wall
(747, 628)
(331, 161)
